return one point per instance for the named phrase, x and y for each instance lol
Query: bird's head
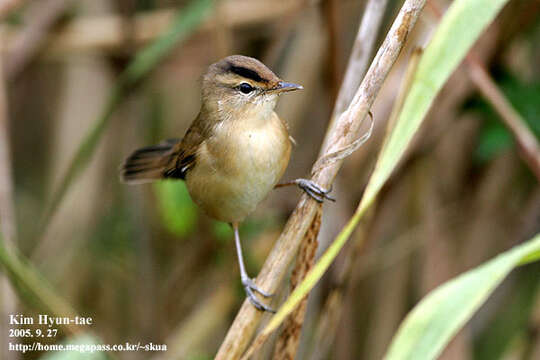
(239, 86)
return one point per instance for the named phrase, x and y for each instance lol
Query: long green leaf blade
(433, 322)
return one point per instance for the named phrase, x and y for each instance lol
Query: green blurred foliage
(178, 213)
(154, 122)
(222, 231)
(145, 5)
(112, 236)
(14, 18)
(494, 136)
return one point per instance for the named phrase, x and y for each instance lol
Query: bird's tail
(148, 163)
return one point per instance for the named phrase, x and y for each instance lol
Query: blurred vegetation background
(148, 266)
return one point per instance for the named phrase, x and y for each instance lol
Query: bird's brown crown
(237, 68)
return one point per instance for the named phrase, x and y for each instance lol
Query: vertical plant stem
(527, 143)
(361, 52)
(7, 211)
(330, 9)
(289, 339)
(360, 55)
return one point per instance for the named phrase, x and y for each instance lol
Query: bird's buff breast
(237, 167)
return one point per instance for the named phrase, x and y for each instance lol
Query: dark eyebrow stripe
(247, 73)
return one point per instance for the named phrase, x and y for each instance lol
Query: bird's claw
(251, 289)
(313, 190)
(248, 282)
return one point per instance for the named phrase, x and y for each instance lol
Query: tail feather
(148, 163)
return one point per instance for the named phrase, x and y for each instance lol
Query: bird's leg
(311, 188)
(249, 284)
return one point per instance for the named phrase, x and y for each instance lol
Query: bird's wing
(171, 158)
(184, 153)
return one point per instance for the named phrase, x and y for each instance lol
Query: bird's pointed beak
(283, 86)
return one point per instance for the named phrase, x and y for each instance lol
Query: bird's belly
(231, 177)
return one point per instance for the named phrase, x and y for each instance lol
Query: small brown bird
(234, 152)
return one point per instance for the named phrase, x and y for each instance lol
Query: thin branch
(330, 10)
(360, 54)
(526, 141)
(341, 135)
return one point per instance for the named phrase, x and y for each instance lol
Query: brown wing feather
(184, 154)
(169, 159)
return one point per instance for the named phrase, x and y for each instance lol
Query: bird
(233, 154)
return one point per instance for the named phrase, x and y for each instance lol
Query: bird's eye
(245, 88)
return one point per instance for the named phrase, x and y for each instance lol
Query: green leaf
(438, 317)
(144, 62)
(460, 27)
(178, 212)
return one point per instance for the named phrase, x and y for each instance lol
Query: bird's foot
(251, 289)
(315, 191)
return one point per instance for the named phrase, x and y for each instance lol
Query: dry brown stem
(344, 132)
(526, 141)
(330, 11)
(7, 211)
(287, 343)
(361, 53)
(358, 63)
